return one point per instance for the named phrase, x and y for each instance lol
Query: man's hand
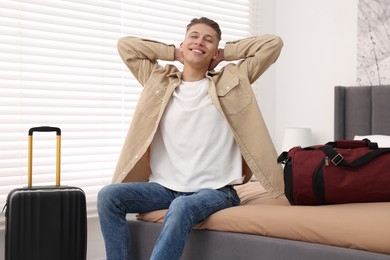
(218, 58)
(179, 56)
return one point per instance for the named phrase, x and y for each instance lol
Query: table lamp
(296, 136)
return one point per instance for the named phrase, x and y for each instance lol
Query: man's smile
(197, 51)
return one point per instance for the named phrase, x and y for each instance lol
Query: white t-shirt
(194, 147)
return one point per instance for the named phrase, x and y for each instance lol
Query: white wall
(320, 52)
(265, 86)
(95, 246)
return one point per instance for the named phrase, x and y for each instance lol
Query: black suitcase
(47, 222)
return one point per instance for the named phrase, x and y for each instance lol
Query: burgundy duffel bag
(345, 171)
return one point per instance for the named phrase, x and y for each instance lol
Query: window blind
(59, 67)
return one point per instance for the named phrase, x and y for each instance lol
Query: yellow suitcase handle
(58, 157)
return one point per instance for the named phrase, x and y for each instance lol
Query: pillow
(381, 140)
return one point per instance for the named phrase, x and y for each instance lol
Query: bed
(266, 228)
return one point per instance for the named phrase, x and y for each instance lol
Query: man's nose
(199, 41)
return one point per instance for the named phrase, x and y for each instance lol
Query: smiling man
(194, 135)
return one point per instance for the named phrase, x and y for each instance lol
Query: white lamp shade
(296, 136)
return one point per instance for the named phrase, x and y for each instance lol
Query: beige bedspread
(364, 226)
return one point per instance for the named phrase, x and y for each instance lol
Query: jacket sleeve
(141, 55)
(256, 54)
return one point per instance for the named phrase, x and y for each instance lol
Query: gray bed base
(215, 245)
(358, 111)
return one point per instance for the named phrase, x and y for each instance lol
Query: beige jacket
(229, 89)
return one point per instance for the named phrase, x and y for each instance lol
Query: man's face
(200, 45)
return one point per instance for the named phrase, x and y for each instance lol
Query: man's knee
(105, 196)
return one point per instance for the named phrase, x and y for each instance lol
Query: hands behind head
(219, 56)
(179, 55)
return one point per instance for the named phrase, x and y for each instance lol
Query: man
(194, 135)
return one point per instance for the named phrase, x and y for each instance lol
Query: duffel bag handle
(282, 158)
(351, 144)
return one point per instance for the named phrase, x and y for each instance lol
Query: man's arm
(256, 54)
(141, 55)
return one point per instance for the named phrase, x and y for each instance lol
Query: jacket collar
(178, 74)
(211, 73)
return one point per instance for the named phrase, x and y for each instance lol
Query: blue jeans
(185, 210)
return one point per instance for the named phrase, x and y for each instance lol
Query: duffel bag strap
(337, 158)
(351, 144)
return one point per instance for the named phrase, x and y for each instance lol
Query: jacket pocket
(233, 96)
(151, 100)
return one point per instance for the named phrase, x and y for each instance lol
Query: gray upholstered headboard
(361, 111)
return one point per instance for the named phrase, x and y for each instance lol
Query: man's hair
(206, 21)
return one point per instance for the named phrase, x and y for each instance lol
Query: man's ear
(181, 46)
